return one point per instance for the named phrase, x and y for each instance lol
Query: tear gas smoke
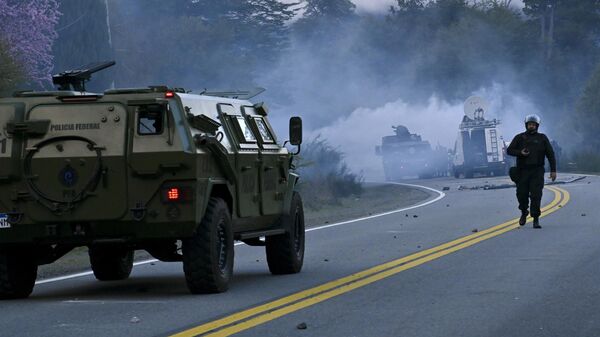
(436, 121)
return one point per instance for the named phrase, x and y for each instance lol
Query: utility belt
(515, 172)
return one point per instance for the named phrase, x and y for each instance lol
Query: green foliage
(325, 176)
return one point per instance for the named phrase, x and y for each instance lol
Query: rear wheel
(18, 271)
(208, 254)
(111, 263)
(285, 252)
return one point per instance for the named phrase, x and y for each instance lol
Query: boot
(523, 218)
(536, 222)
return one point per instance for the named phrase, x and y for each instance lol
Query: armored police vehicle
(407, 155)
(179, 175)
(479, 147)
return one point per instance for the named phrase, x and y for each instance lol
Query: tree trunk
(543, 33)
(550, 34)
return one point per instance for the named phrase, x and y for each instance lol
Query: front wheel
(18, 271)
(111, 263)
(285, 252)
(208, 254)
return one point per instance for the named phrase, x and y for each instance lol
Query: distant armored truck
(406, 155)
(479, 147)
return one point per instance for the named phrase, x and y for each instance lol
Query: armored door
(247, 160)
(275, 163)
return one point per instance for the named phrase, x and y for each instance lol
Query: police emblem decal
(68, 176)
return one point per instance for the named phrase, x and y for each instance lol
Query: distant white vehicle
(479, 147)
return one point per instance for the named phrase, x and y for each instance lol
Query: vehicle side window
(264, 131)
(150, 119)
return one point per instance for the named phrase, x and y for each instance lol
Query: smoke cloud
(436, 120)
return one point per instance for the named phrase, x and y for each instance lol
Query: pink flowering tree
(27, 28)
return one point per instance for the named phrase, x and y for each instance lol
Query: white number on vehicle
(4, 221)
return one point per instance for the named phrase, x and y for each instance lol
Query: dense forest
(321, 58)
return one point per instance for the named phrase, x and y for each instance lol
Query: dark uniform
(531, 168)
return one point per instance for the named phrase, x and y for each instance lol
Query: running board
(257, 234)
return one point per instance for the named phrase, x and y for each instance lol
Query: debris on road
(415, 216)
(446, 188)
(512, 185)
(301, 326)
(475, 230)
(134, 320)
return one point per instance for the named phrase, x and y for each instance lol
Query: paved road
(455, 267)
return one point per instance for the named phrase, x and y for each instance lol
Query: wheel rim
(222, 247)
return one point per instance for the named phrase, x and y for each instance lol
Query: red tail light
(173, 194)
(177, 194)
(169, 94)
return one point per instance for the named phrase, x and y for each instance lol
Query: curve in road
(439, 196)
(252, 317)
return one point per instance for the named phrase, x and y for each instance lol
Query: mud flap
(287, 200)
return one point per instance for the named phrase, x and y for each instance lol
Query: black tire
(285, 252)
(111, 263)
(18, 271)
(208, 254)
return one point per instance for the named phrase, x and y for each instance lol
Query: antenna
(75, 79)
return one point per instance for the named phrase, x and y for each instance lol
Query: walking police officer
(531, 148)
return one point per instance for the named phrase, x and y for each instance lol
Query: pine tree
(324, 18)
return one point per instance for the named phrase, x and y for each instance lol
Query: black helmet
(532, 118)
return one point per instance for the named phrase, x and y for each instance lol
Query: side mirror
(296, 131)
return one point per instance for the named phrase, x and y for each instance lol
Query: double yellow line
(252, 317)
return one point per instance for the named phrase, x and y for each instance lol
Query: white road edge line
(440, 196)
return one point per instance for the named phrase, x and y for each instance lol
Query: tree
(408, 5)
(197, 43)
(587, 113)
(27, 27)
(11, 72)
(330, 9)
(83, 37)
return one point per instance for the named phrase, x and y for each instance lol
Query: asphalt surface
(523, 282)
